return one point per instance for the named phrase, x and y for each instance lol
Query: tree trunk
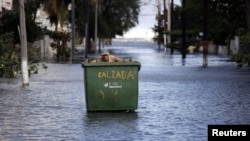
(23, 36)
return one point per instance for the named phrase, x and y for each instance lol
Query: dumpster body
(111, 86)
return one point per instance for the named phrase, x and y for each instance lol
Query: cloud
(139, 32)
(147, 20)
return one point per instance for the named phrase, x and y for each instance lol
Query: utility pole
(171, 23)
(87, 28)
(205, 43)
(72, 30)
(248, 14)
(23, 39)
(169, 20)
(183, 23)
(96, 21)
(159, 23)
(99, 8)
(205, 10)
(165, 23)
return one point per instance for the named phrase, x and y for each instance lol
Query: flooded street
(177, 100)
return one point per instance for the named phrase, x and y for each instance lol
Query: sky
(147, 20)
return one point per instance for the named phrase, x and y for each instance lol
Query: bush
(9, 64)
(243, 57)
(10, 57)
(240, 59)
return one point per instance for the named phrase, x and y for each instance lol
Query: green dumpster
(111, 86)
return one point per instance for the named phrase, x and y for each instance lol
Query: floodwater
(178, 99)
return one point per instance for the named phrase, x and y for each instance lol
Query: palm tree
(57, 11)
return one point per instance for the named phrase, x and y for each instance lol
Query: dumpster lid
(99, 64)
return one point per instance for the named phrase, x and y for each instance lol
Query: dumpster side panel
(111, 88)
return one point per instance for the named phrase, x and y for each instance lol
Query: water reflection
(110, 125)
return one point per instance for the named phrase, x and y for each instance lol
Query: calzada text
(116, 74)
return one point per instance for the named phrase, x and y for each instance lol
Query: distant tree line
(115, 17)
(225, 20)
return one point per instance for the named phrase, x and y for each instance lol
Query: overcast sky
(146, 20)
